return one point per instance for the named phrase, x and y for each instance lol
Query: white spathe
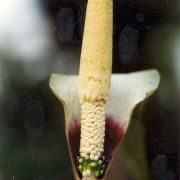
(127, 90)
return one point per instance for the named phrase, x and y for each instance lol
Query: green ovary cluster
(88, 166)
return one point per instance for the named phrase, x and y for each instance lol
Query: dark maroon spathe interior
(114, 133)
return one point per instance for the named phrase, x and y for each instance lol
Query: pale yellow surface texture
(96, 55)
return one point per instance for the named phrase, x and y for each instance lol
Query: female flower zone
(98, 105)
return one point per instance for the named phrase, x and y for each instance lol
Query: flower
(94, 85)
(127, 90)
(97, 105)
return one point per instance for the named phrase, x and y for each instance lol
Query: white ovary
(92, 130)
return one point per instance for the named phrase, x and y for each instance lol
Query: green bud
(96, 173)
(101, 172)
(80, 160)
(93, 164)
(86, 158)
(100, 162)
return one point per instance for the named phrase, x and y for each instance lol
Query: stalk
(94, 86)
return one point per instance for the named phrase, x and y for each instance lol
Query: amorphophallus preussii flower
(98, 106)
